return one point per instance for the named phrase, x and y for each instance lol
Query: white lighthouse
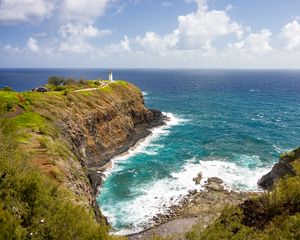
(110, 76)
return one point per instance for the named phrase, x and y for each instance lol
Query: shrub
(7, 89)
(9, 106)
(69, 81)
(59, 88)
(56, 81)
(33, 206)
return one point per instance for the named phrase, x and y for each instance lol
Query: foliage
(7, 89)
(280, 218)
(56, 81)
(69, 81)
(33, 206)
(34, 203)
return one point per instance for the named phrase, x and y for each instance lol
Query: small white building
(110, 76)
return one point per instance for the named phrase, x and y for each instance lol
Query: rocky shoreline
(201, 207)
(95, 174)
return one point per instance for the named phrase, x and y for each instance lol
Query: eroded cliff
(67, 137)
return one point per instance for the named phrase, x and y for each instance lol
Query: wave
(154, 198)
(157, 196)
(235, 177)
(144, 93)
(147, 145)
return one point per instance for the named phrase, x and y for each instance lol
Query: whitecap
(235, 177)
(154, 198)
(157, 196)
(146, 145)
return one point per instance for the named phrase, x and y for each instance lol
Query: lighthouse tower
(110, 76)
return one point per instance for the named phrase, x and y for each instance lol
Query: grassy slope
(37, 167)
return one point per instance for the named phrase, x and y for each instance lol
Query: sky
(150, 33)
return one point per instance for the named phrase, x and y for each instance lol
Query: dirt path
(92, 89)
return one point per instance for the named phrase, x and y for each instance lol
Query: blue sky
(150, 33)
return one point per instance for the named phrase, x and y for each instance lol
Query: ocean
(231, 124)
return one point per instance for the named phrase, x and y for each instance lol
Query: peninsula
(56, 142)
(53, 147)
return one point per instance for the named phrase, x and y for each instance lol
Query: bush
(33, 206)
(83, 82)
(59, 88)
(7, 89)
(56, 81)
(69, 81)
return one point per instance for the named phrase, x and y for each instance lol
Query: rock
(280, 169)
(197, 179)
(40, 89)
(215, 179)
(214, 184)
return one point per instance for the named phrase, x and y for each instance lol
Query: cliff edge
(283, 168)
(53, 148)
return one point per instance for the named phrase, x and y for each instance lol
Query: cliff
(65, 138)
(282, 168)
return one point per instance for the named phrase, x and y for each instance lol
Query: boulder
(214, 184)
(197, 179)
(282, 168)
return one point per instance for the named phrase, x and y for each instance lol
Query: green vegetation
(36, 161)
(275, 215)
(35, 207)
(56, 81)
(7, 89)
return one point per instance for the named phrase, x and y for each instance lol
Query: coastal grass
(35, 207)
(36, 164)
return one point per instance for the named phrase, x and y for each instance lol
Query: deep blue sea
(232, 124)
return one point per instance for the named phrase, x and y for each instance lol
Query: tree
(7, 89)
(56, 81)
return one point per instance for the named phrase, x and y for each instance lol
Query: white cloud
(10, 49)
(166, 4)
(74, 37)
(198, 30)
(260, 42)
(257, 43)
(155, 44)
(290, 35)
(78, 17)
(122, 46)
(33, 45)
(83, 10)
(195, 31)
(25, 10)
(75, 47)
(71, 30)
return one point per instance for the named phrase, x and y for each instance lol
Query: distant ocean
(232, 124)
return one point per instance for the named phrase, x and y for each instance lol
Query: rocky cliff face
(282, 168)
(112, 122)
(69, 136)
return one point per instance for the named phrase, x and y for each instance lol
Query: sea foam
(157, 196)
(147, 145)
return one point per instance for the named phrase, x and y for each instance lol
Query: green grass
(36, 163)
(35, 207)
(29, 120)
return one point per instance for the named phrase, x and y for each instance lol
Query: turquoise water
(231, 124)
(226, 123)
